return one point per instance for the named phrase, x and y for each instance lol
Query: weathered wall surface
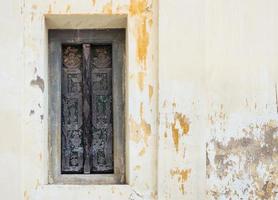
(218, 100)
(10, 104)
(242, 73)
(201, 99)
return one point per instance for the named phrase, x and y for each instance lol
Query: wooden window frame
(56, 38)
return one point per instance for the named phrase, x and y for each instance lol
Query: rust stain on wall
(182, 175)
(255, 155)
(38, 82)
(107, 8)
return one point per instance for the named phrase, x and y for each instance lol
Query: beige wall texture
(201, 102)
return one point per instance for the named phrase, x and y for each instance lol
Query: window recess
(86, 106)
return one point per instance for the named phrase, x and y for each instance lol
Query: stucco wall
(201, 120)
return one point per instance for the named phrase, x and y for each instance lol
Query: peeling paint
(38, 82)
(182, 175)
(250, 162)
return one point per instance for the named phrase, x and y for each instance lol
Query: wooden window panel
(86, 106)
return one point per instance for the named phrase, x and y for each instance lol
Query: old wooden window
(86, 106)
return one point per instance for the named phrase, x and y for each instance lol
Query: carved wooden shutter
(87, 113)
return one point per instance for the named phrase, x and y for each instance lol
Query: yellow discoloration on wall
(137, 7)
(182, 175)
(142, 41)
(184, 124)
(107, 8)
(175, 136)
(150, 92)
(139, 131)
(141, 80)
(94, 2)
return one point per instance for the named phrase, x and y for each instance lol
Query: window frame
(57, 37)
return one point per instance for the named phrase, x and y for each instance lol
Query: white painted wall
(201, 100)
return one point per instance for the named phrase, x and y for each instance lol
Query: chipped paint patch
(245, 167)
(182, 175)
(38, 82)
